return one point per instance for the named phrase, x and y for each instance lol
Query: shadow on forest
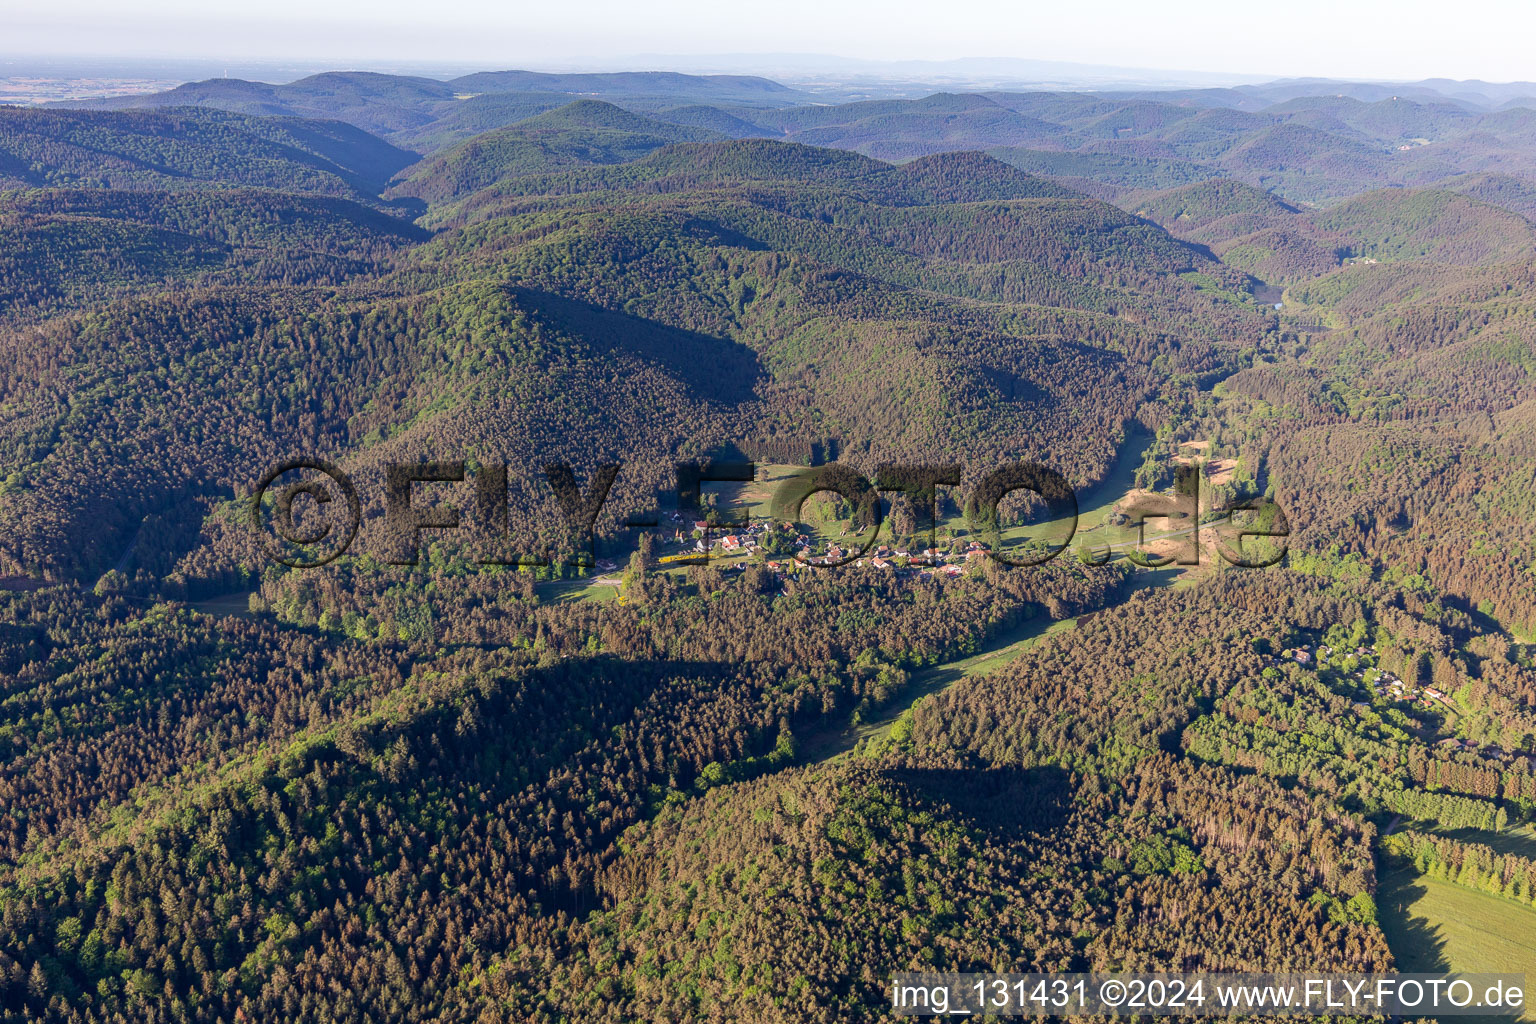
(1005, 802)
(713, 368)
(535, 736)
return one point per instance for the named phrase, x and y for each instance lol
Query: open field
(1433, 926)
(589, 588)
(1519, 841)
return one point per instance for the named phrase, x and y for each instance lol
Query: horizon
(896, 78)
(1209, 41)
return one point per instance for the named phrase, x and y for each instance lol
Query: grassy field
(581, 589)
(1435, 926)
(1519, 841)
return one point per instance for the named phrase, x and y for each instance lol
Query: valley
(671, 788)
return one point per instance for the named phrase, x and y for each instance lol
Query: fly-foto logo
(315, 519)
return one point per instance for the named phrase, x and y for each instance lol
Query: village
(782, 549)
(1388, 687)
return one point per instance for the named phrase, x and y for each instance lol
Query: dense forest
(597, 754)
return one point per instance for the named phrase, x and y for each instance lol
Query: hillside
(376, 103)
(578, 134)
(572, 748)
(190, 148)
(68, 248)
(1427, 225)
(1518, 195)
(1214, 211)
(1280, 255)
(763, 164)
(468, 116)
(902, 130)
(1253, 231)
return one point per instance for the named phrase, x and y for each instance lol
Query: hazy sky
(1402, 39)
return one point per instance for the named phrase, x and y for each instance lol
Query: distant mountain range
(1308, 141)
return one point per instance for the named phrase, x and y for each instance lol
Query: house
(1303, 657)
(730, 542)
(699, 524)
(880, 563)
(1431, 692)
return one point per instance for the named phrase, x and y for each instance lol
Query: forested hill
(1253, 231)
(819, 285)
(507, 782)
(747, 164)
(1308, 146)
(581, 133)
(190, 148)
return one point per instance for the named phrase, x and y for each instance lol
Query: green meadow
(1435, 926)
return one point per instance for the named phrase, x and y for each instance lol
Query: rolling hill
(581, 133)
(1429, 225)
(1518, 195)
(478, 786)
(191, 148)
(1306, 143)
(1214, 211)
(427, 114)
